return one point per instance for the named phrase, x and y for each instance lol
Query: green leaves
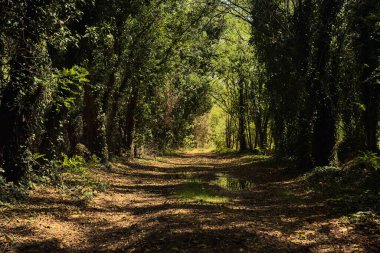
(69, 86)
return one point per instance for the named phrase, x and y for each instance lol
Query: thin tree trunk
(242, 140)
(228, 132)
(264, 134)
(131, 120)
(90, 113)
(249, 132)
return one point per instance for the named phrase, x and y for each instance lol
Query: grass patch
(199, 191)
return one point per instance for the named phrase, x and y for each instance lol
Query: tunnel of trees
(189, 126)
(297, 79)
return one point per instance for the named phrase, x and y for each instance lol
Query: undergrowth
(76, 178)
(11, 192)
(352, 188)
(361, 174)
(72, 176)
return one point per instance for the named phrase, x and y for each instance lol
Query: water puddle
(202, 187)
(233, 184)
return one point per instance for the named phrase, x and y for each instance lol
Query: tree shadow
(45, 246)
(173, 233)
(167, 224)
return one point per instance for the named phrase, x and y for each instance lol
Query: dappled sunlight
(172, 207)
(189, 126)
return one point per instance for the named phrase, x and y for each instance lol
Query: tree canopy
(299, 79)
(189, 125)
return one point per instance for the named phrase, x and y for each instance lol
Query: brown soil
(141, 212)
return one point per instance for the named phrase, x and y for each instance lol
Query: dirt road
(183, 203)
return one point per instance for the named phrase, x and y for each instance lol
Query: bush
(70, 174)
(75, 164)
(362, 174)
(365, 219)
(325, 178)
(368, 161)
(10, 192)
(94, 161)
(82, 150)
(76, 179)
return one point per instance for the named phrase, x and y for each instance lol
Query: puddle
(233, 184)
(200, 191)
(200, 188)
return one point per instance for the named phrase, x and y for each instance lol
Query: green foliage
(94, 161)
(124, 76)
(10, 191)
(75, 164)
(325, 178)
(189, 141)
(226, 151)
(361, 175)
(69, 86)
(364, 172)
(367, 161)
(77, 180)
(319, 60)
(365, 219)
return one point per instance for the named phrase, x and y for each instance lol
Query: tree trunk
(113, 135)
(264, 134)
(366, 47)
(371, 99)
(258, 131)
(249, 133)
(256, 140)
(131, 120)
(228, 132)
(323, 90)
(241, 115)
(89, 119)
(18, 118)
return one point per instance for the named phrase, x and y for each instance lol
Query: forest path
(182, 203)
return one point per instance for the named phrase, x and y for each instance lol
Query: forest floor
(189, 202)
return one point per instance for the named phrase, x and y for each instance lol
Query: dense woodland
(109, 93)
(299, 79)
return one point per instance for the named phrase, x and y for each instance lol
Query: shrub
(75, 164)
(364, 219)
(10, 192)
(76, 180)
(325, 178)
(368, 161)
(362, 174)
(364, 171)
(93, 161)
